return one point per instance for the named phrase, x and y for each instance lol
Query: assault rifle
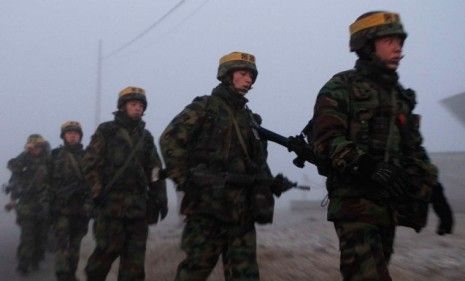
(297, 144)
(203, 176)
(73, 190)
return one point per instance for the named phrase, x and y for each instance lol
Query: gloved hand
(281, 184)
(299, 146)
(157, 203)
(391, 178)
(442, 209)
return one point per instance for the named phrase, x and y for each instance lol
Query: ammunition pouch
(209, 192)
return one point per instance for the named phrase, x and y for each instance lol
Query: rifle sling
(236, 127)
(74, 164)
(120, 171)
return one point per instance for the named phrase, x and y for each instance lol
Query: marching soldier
(215, 156)
(69, 200)
(29, 196)
(365, 128)
(122, 167)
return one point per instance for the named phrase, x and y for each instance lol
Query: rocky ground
(301, 245)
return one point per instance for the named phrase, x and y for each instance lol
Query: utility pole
(98, 94)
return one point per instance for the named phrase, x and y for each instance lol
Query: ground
(300, 245)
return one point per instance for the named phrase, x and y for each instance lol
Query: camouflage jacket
(29, 185)
(69, 191)
(203, 136)
(108, 150)
(364, 111)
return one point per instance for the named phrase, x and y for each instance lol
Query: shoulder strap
(131, 155)
(236, 127)
(74, 164)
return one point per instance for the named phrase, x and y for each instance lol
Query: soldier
(69, 200)
(29, 196)
(122, 167)
(217, 159)
(361, 125)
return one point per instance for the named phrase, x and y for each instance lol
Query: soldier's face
(134, 109)
(36, 149)
(242, 81)
(389, 50)
(72, 137)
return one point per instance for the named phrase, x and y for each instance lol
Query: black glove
(281, 184)
(304, 152)
(391, 178)
(442, 209)
(157, 203)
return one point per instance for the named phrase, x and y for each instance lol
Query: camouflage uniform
(121, 225)
(362, 114)
(219, 216)
(70, 207)
(29, 187)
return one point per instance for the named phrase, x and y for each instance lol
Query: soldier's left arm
(439, 201)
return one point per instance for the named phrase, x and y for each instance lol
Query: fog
(49, 63)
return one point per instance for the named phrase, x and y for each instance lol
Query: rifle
(71, 190)
(297, 144)
(202, 176)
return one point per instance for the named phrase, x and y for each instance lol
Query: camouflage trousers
(32, 241)
(205, 239)
(365, 250)
(118, 237)
(69, 231)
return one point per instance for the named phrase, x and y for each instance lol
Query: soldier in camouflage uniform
(363, 126)
(29, 196)
(210, 148)
(122, 167)
(69, 194)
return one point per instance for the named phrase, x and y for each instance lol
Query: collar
(376, 71)
(231, 97)
(73, 148)
(122, 119)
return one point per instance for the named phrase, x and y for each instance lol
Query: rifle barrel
(272, 136)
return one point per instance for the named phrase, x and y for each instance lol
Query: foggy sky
(49, 62)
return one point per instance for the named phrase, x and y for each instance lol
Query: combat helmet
(34, 140)
(234, 61)
(372, 25)
(70, 126)
(131, 93)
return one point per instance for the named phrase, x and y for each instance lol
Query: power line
(162, 35)
(147, 30)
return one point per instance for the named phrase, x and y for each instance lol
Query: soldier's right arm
(177, 137)
(331, 124)
(92, 162)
